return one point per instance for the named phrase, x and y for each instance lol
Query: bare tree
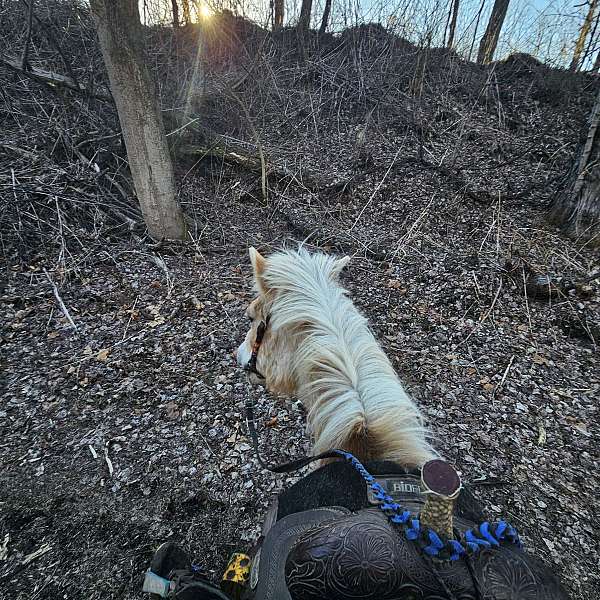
(25, 54)
(175, 11)
(278, 13)
(578, 206)
(476, 28)
(596, 67)
(453, 19)
(583, 34)
(592, 44)
(489, 41)
(120, 34)
(187, 15)
(304, 22)
(325, 17)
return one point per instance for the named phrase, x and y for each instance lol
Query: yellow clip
(236, 575)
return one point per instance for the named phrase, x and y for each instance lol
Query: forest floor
(129, 430)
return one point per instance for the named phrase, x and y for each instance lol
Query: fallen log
(306, 179)
(53, 79)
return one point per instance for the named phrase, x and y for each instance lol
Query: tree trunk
(453, 20)
(175, 11)
(578, 206)
(120, 36)
(279, 14)
(25, 53)
(592, 41)
(187, 15)
(583, 33)
(304, 22)
(489, 41)
(325, 18)
(478, 18)
(596, 68)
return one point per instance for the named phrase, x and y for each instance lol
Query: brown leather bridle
(250, 366)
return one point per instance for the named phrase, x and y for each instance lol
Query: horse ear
(259, 264)
(338, 266)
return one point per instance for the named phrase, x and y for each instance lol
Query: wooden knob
(440, 477)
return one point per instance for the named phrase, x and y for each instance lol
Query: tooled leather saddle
(324, 539)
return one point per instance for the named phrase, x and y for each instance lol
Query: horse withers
(389, 519)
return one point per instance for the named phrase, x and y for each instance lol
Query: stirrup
(171, 575)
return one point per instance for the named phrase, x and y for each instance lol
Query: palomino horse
(405, 532)
(318, 347)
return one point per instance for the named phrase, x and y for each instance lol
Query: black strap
(474, 579)
(260, 334)
(190, 585)
(287, 467)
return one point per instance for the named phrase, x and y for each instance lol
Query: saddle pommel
(441, 486)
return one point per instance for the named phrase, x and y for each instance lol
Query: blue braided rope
(486, 535)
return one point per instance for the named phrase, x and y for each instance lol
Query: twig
(499, 386)
(39, 552)
(263, 162)
(491, 308)
(61, 304)
(309, 181)
(484, 318)
(160, 263)
(527, 301)
(182, 127)
(48, 31)
(109, 464)
(131, 313)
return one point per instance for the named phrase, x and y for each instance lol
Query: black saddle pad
(339, 484)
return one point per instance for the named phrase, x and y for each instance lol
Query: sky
(547, 29)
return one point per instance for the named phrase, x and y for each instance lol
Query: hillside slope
(433, 173)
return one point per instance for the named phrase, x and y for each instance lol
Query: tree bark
(489, 41)
(25, 53)
(120, 35)
(175, 11)
(187, 15)
(578, 206)
(453, 20)
(325, 17)
(596, 68)
(583, 33)
(592, 40)
(478, 18)
(279, 12)
(304, 22)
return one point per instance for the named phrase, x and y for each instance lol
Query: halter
(250, 366)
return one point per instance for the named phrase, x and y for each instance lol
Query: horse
(319, 347)
(384, 516)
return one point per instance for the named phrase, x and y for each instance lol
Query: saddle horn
(441, 485)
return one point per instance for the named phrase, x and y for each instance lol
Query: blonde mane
(354, 398)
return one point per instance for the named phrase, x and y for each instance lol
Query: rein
(288, 467)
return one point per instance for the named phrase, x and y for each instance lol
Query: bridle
(250, 366)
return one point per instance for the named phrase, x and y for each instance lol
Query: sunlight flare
(204, 12)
